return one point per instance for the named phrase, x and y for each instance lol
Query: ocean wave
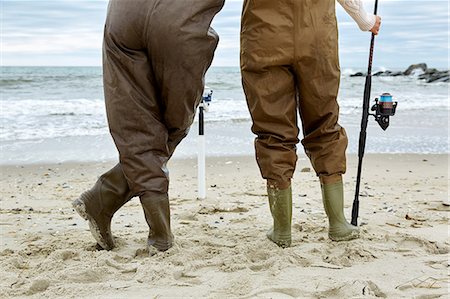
(70, 114)
(63, 114)
(348, 72)
(12, 82)
(224, 85)
(48, 131)
(64, 103)
(38, 107)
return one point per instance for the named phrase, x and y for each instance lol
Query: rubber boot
(280, 202)
(333, 201)
(157, 214)
(99, 204)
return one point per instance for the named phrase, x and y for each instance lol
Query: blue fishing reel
(384, 108)
(206, 99)
(204, 107)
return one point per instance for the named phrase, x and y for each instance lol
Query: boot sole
(352, 236)
(80, 208)
(284, 241)
(282, 244)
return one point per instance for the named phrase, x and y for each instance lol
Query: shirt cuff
(366, 21)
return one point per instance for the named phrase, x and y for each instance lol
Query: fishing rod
(383, 108)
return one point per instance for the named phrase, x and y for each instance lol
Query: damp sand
(221, 250)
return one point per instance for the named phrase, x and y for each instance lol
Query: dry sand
(221, 250)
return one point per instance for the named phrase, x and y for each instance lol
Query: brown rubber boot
(157, 213)
(99, 204)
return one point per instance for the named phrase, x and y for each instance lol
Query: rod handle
(355, 211)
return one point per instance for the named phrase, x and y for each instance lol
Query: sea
(57, 114)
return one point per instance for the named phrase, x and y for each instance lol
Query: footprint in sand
(278, 293)
(186, 279)
(445, 264)
(38, 286)
(262, 266)
(214, 210)
(411, 245)
(352, 289)
(348, 255)
(188, 217)
(63, 255)
(83, 276)
(240, 286)
(122, 259)
(123, 268)
(19, 263)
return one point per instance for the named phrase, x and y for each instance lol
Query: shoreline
(220, 246)
(179, 159)
(236, 139)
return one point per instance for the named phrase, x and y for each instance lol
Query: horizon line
(234, 66)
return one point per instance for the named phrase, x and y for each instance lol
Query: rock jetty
(420, 70)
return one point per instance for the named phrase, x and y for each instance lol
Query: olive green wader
(290, 65)
(155, 56)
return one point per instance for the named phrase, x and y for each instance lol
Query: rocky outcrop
(414, 68)
(433, 75)
(358, 74)
(387, 74)
(420, 70)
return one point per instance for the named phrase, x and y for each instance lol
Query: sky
(69, 33)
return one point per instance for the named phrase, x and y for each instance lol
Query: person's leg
(157, 214)
(325, 141)
(99, 204)
(134, 110)
(180, 55)
(111, 190)
(180, 47)
(269, 85)
(133, 105)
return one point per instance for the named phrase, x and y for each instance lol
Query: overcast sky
(69, 32)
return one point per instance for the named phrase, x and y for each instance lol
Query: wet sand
(221, 250)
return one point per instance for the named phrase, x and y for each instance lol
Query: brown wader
(155, 56)
(290, 65)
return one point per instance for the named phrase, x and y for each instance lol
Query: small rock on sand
(39, 285)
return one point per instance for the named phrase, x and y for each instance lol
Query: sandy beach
(221, 250)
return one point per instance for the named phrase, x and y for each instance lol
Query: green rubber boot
(280, 202)
(333, 201)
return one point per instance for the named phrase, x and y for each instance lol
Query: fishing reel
(384, 108)
(206, 99)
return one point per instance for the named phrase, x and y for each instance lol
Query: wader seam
(147, 26)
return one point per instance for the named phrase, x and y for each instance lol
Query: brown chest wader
(155, 56)
(290, 66)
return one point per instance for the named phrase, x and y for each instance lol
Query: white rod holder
(201, 156)
(201, 168)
